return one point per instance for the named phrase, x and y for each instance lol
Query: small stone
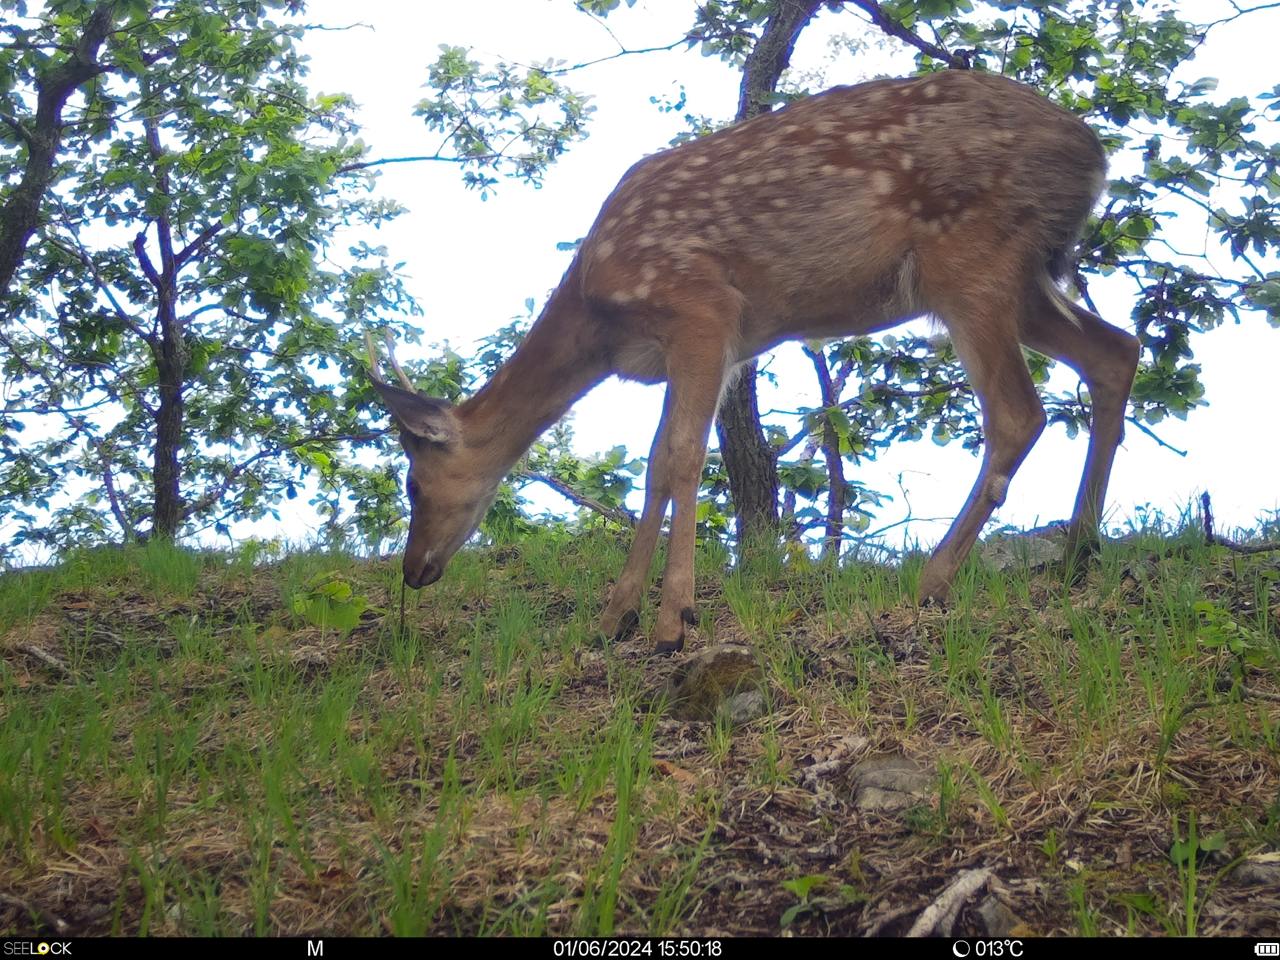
(997, 919)
(1263, 871)
(744, 707)
(889, 783)
(715, 681)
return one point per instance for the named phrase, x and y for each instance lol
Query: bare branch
(1150, 433)
(1214, 539)
(48, 659)
(425, 158)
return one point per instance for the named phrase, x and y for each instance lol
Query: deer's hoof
(935, 597)
(665, 648)
(688, 617)
(626, 626)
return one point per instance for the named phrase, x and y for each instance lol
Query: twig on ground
(885, 919)
(48, 659)
(941, 915)
(58, 924)
(1214, 540)
(838, 758)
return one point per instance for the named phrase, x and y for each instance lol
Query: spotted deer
(959, 195)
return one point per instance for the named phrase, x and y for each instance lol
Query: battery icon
(1267, 949)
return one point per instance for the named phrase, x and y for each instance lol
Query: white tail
(959, 195)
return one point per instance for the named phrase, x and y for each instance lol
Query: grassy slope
(212, 763)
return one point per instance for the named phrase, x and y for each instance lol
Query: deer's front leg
(623, 610)
(693, 392)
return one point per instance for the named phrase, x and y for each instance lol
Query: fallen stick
(48, 659)
(940, 915)
(1214, 540)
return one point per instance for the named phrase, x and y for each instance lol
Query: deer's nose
(426, 576)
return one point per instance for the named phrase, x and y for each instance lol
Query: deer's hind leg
(984, 330)
(1106, 359)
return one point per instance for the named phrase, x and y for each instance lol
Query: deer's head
(448, 495)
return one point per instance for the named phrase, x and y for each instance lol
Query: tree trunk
(748, 458)
(167, 508)
(20, 214)
(170, 351)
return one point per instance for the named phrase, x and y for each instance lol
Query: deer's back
(811, 211)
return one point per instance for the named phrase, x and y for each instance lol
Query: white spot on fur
(906, 161)
(828, 169)
(603, 249)
(881, 181)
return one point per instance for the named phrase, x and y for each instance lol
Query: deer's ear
(426, 418)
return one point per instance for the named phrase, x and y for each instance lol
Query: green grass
(212, 758)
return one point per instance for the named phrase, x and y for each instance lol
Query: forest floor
(196, 744)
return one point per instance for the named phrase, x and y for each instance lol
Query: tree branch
(20, 212)
(198, 244)
(144, 259)
(622, 516)
(1219, 541)
(210, 497)
(16, 126)
(1150, 433)
(894, 29)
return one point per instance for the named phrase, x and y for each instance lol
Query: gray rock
(889, 783)
(1009, 552)
(997, 919)
(1257, 872)
(744, 707)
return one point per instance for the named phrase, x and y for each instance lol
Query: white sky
(473, 263)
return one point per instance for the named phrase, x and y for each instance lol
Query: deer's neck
(559, 361)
